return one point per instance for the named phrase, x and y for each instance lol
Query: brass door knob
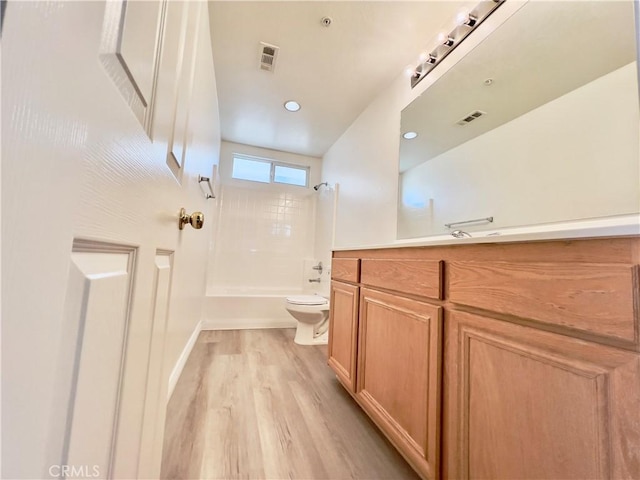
(196, 219)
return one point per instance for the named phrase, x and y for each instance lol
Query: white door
(109, 113)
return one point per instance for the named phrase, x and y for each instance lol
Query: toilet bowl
(312, 314)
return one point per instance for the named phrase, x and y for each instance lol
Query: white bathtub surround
(325, 232)
(263, 237)
(265, 231)
(263, 252)
(238, 309)
(250, 307)
(310, 275)
(263, 247)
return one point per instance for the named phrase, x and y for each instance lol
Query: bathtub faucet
(318, 268)
(314, 280)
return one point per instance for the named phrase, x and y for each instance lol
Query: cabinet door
(523, 403)
(399, 374)
(343, 332)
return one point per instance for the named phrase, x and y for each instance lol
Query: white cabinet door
(100, 289)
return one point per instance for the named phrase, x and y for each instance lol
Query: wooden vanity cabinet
(398, 374)
(386, 350)
(525, 403)
(511, 360)
(343, 332)
(343, 320)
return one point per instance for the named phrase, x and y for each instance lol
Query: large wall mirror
(537, 124)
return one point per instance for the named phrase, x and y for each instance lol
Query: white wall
(364, 160)
(572, 158)
(77, 163)
(264, 235)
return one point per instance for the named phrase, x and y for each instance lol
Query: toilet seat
(307, 300)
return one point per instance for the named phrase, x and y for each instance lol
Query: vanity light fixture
(466, 22)
(467, 19)
(292, 106)
(409, 135)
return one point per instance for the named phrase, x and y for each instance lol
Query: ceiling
(333, 72)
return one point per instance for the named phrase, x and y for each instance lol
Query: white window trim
(274, 164)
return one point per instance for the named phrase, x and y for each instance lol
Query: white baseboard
(248, 323)
(182, 360)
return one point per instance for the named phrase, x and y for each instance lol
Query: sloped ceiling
(334, 72)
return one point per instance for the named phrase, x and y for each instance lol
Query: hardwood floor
(251, 404)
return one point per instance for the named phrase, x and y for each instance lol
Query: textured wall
(77, 163)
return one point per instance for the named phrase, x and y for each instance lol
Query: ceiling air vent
(471, 117)
(268, 54)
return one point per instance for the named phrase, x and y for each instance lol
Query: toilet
(312, 314)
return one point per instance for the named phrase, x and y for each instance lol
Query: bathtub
(233, 309)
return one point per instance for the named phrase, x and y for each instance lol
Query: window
(268, 171)
(253, 170)
(290, 175)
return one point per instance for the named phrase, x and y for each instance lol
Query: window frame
(272, 170)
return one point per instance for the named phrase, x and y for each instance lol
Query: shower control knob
(196, 219)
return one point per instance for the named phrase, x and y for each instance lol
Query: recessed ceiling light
(409, 135)
(292, 105)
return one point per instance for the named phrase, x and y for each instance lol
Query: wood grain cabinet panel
(600, 299)
(343, 332)
(345, 269)
(417, 277)
(399, 372)
(523, 403)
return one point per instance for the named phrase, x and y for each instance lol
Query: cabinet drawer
(345, 269)
(417, 277)
(600, 299)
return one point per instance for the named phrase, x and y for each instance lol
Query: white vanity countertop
(618, 226)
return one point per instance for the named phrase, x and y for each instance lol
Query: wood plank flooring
(251, 404)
